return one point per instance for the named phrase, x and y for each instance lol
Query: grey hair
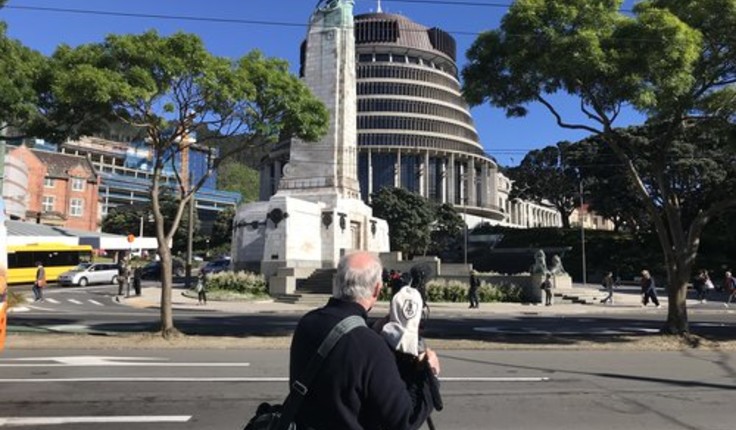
(355, 283)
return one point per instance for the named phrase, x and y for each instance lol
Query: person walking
(202, 289)
(608, 285)
(729, 285)
(359, 386)
(708, 286)
(699, 286)
(547, 288)
(648, 290)
(473, 290)
(40, 283)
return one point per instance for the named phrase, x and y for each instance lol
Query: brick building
(63, 189)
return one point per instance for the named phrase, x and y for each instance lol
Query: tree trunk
(565, 219)
(167, 317)
(677, 322)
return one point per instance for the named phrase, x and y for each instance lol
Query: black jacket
(359, 386)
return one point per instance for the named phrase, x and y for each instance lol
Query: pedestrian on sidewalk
(699, 285)
(473, 290)
(648, 289)
(729, 285)
(202, 289)
(40, 283)
(547, 288)
(608, 285)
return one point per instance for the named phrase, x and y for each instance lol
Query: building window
(76, 207)
(48, 203)
(77, 184)
(48, 183)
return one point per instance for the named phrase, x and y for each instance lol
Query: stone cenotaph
(317, 214)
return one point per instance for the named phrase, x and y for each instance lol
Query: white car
(90, 273)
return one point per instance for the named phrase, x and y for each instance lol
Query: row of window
(417, 141)
(413, 106)
(408, 73)
(77, 183)
(410, 90)
(406, 59)
(76, 206)
(415, 124)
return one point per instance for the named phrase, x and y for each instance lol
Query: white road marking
(95, 302)
(54, 301)
(92, 360)
(620, 330)
(40, 421)
(493, 379)
(250, 379)
(75, 301)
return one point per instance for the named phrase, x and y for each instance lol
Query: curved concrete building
(415, 130)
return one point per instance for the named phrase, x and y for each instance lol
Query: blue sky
(282, 28)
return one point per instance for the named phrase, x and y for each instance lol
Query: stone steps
(583, 296)
(306, 299)
(319, 282)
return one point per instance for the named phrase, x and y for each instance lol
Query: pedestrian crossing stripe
(54, 301)
(76, 302)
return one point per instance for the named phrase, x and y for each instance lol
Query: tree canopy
(170, 87)
(409, 217)
(235, 176)
(547, 176)
(20, 68)
(672, 60)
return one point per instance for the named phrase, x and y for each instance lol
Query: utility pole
(190, 240)
(186, 175)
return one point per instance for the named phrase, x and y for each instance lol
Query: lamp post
(582, 234)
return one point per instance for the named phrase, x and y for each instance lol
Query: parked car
(90, 273)
(216, 266)
(152, 270)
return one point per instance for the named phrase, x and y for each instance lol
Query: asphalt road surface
(185, 389)
(94, 309)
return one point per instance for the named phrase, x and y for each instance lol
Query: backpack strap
(300, 387)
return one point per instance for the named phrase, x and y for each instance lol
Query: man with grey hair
(358, 385)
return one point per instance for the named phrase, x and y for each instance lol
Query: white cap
(402, 330)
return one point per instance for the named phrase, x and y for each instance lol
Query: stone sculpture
(557, 268)
(540, 263)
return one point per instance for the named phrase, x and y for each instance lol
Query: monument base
(302, 236)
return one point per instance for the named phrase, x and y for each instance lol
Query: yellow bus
(56, 259)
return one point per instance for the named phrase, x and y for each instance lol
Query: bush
(239, 282)
(15, 299)
(440, 290)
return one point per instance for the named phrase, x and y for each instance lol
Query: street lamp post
(465, 233)
(582, 234)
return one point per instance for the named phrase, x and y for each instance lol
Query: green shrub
(440, 290)
(15, 299)
(240, 282)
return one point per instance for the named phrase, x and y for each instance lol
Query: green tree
(546, 176)
(672, 60)
(409, 216)
(126, 220)
(235, 176)
(609, 190)
(447, 230)
(20, 68)
(222, 229)
(170, 87)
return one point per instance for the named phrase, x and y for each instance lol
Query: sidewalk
(624, 302)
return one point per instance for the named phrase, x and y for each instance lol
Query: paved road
(95, 309)
(185, 389)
